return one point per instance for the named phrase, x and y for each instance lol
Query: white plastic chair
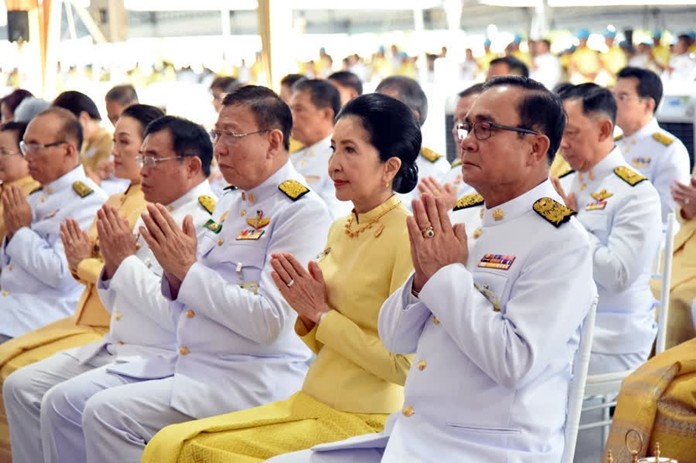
(576, 394)
(662, 271)
(605, 387)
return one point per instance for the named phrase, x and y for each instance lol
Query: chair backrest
(576, 393)
(662, 271)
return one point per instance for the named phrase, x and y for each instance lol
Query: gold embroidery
(554, 212)
(293, 189)
(365, 226)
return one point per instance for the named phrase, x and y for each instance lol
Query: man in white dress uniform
(37, 286)
(620, 209)
(652, 151)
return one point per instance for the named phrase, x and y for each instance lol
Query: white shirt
(659, 156)
(547, 70)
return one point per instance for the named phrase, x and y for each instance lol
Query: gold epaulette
(230, 188)
(429, 154)
(456, 163)
(470, 200)
(629, 175)
(619, 137)
(552, 211)
(663, 138)
(36, 190)
(293, 189)
(208, 203)
(82, 189)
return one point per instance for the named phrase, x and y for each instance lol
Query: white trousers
(121, 421)
(23, 393)
(606, 363)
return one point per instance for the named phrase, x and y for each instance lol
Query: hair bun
(406, 179)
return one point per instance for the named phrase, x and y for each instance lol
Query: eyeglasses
(484, 129)
(27, 148)
(231, 138)
(152, 161)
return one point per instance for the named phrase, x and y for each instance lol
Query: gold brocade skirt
(34, 346)
(259, 433)
(658, 401)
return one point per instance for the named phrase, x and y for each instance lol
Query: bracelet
(321, 317)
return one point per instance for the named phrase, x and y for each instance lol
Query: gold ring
(428, 232)
(290, 283)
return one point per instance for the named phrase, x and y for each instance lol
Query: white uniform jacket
(659, 156)
(236, 344)
(494, 340)
(142, 323)
(625, 230)
(313, 163)
(37, 286)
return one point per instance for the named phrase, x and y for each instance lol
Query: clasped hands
(174, 247)
(435, 242)
(16, 210)
(304, 290)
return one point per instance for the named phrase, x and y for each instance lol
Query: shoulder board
(456, 163)
(629, 175)
(82, 189)
(36, 190)
(230, 188)
(470, 200)
(429, 154)
(663, 138)
(567, 172)
(619, 137)
(208, 203)
(293, 189)
(552, 211)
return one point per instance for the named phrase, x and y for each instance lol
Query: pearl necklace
(368, 225)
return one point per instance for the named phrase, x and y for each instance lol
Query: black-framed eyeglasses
(152, 161)
(27, 148)
(484, 129)
(231, 137)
